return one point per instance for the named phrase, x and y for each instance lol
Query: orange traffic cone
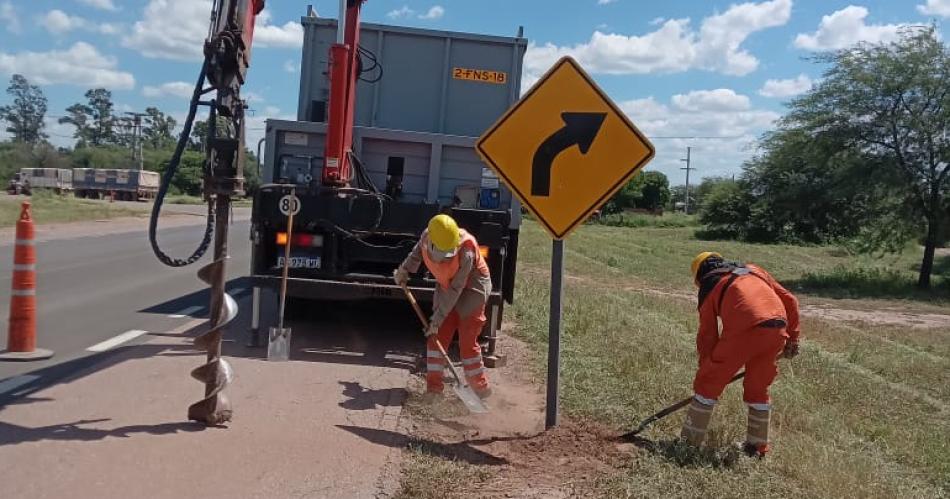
(21, 339)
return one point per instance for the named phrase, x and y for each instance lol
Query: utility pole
(138, 161)
(688, 168)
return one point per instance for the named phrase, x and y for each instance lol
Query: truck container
(414, 157)
(128, 185)
(431, 81)
(59, 180)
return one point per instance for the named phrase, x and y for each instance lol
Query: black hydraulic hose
(166, 183)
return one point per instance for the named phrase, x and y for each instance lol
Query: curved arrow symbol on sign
(579, 129)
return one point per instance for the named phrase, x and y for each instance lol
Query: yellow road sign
(565, 148)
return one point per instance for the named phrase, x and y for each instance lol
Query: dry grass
(864, 412)
(49, 208)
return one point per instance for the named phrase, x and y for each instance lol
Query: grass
(667, 220)
(49, 208)
(863, 412)
(875, 282)
(198, 200)
(859, 414)
(426, 476)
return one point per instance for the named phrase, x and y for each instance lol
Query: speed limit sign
(289, 203)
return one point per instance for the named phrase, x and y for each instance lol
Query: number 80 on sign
(289, 203)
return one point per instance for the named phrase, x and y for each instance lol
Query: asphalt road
(111, 423)
(93, 287)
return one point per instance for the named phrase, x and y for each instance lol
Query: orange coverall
(460, 298)
(749, 302)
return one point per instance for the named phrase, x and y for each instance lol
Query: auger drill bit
(216, 373)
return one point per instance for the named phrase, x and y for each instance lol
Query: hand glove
(791, 350)
(432, 330)
(401, 276)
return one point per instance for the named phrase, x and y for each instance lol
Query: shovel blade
(278, 344)
(472, 401)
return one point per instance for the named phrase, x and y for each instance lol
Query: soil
(885, 317)
(526, 460)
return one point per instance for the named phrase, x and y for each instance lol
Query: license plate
(300, 262)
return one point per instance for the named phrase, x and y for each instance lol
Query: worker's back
(749, 301)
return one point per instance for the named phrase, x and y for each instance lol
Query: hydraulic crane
(227, 53)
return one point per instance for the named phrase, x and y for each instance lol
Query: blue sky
(679, 68)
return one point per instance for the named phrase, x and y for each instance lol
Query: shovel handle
(286, 270)
(425, 324)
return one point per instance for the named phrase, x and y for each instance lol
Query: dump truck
(58, 180)
(384, 139)
(127, 185)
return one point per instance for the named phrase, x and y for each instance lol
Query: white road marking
(14, 383)
(186, 312)
(116, 341)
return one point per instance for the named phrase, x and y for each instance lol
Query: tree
(199, 136)
(654, 190)
(891, 104)
(648, 191)
(94, 120)
(158, 129)
(25, 117)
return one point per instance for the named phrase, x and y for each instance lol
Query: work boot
(757, 434)
(697, 421)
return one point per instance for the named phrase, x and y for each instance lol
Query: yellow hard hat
(698, 261)
(444, 233)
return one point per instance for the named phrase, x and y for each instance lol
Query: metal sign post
(554, 334)
(564, 149)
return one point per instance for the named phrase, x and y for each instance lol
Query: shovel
(673, 408)
(278, 338)
(666, 412)
(472, 401)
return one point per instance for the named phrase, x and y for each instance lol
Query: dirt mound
(526, 461)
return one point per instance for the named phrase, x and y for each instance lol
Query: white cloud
(719, 100)
(59, 22)
(180, 89)
(935, 8)
(705, 113)
(401, 12)
(9, 17)
(673, 47)
(787, 88)
(171, 29)
(290, 35)
(176, 29)
(81, 65)
(435, 12)
(291, 66)
(845, 28)
(605, 2)
(99, 4)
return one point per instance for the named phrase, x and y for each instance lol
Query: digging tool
(675, 407)
(472, 401)
(278, 338)
(666, 412)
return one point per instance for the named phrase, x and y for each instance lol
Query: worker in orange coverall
(759, 322)
(453, 257)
